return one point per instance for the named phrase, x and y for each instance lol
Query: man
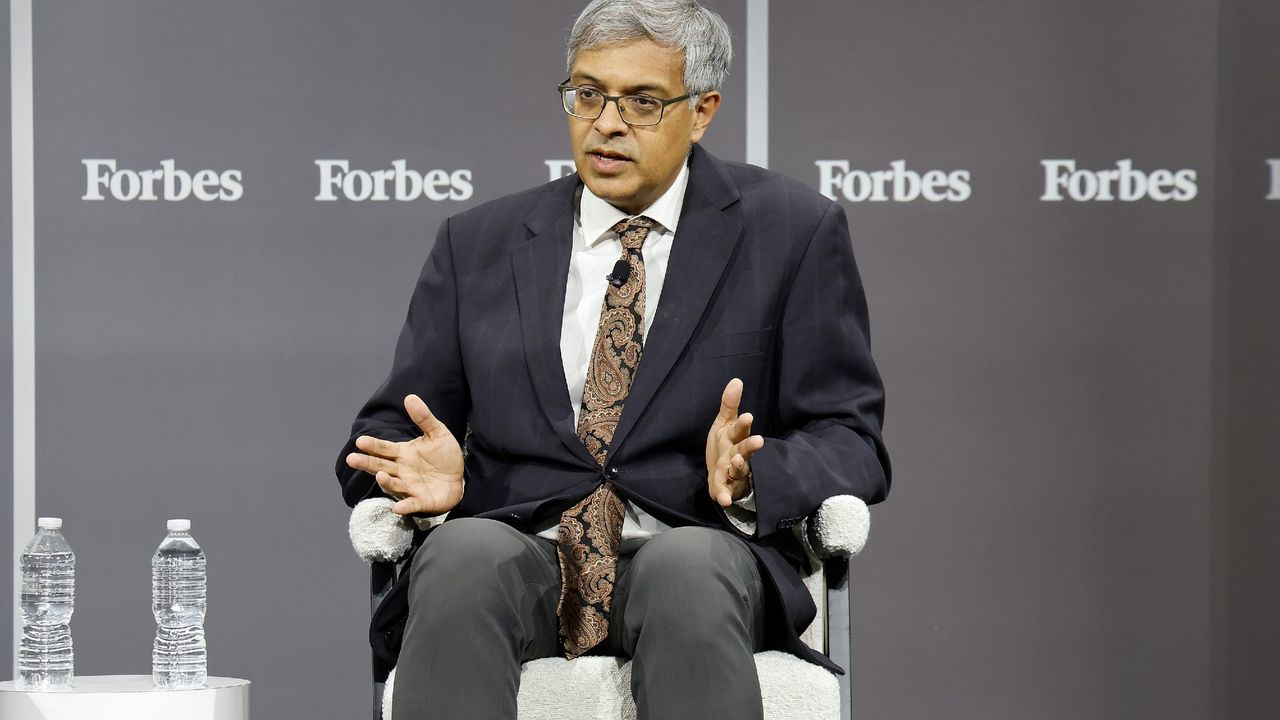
(578, 339)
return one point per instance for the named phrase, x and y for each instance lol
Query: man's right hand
(423, 474)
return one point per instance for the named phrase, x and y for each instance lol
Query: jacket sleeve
(824, 439)
(427, 361)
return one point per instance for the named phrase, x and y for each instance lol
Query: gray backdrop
(1045, 550)
(1082, 397)
(1247, 354)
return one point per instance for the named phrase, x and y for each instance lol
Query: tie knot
(633, 231)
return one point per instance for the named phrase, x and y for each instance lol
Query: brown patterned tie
(591, 531)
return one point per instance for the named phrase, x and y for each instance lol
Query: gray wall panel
(1045, 550)
(1248, 420)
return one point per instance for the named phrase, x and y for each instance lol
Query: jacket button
(611, 472)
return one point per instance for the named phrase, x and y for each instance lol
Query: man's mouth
(608, 160)
(609, 154)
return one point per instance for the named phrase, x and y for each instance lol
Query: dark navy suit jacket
(761, 285)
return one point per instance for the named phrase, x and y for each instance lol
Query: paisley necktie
(591, 531)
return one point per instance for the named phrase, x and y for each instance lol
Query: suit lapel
(705, 240)
(540, 267)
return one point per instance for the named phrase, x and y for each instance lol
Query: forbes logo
(103, 177)
(400, 182)
(897, 183)
(1274, 193)
(560, 168)
(1063, 180)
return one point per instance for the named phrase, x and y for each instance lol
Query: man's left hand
(730, 446)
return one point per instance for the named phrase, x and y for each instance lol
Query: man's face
(630, 167)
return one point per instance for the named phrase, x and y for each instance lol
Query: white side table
(127, 697)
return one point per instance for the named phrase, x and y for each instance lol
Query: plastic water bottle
(45, 657)
(179, 658)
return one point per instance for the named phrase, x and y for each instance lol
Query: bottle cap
(179, 525)
(49, 523)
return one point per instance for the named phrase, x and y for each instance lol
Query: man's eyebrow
(629, 90)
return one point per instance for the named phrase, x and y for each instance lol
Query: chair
(790, 688)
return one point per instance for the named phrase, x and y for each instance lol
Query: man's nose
(610, 121)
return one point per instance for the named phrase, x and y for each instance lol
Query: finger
(421, 416)
(739, 471)
(739, 485)
(717, 486)
(750, 446)
(722, 491)
(729, 400)
(369, 463)
(733, 481)
(408, 506)
(413, 504)
(725, 498)
(740, 429)
(389, 483)
(379, 447)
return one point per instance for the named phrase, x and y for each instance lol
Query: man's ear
(703, 113)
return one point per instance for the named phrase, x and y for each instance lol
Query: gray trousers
(688, 609)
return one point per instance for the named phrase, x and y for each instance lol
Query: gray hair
(680, 24)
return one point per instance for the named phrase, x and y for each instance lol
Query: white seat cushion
(599, 688)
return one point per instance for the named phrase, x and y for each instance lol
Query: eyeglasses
(588, 103)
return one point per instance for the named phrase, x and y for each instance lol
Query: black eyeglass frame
(662, 104)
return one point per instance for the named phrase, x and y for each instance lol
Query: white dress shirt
(596, 248)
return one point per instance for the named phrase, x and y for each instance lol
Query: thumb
(421, 415)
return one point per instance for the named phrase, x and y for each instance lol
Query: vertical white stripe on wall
(24, 314)
(758, 82)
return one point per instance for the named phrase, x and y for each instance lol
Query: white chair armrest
(839, 527)
(379, 535)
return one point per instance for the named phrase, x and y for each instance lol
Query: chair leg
(839, 634)
(381, 577)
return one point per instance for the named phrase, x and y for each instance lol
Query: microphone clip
(621, 272)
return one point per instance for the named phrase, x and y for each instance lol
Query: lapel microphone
(621, 271)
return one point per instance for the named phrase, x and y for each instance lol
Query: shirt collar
(595, 216)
